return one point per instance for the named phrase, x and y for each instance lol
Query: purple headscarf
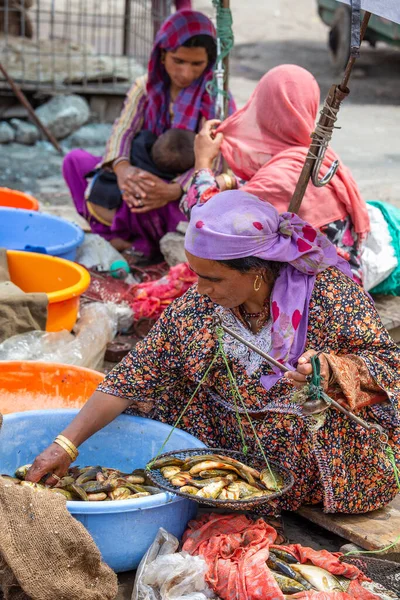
(236, 224)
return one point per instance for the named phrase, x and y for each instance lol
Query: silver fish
(319, 578)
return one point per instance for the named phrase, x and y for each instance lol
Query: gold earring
(257, 283)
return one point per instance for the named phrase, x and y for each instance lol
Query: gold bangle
(228, 181)
(66, 448)
(68, 442)
(73, 455)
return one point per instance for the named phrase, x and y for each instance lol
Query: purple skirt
(144, 230)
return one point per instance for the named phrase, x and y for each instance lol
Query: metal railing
(78, 45)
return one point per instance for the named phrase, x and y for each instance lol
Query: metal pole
(328, 400)
(336, 95)
(25, 102)
(226, 4)
(127, 28)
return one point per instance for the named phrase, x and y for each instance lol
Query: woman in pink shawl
(265, 144)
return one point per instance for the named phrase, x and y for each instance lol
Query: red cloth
(151, 298)
(266, 142)
(236, 550)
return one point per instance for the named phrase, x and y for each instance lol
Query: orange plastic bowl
(62, 280)
(26, 385)
(16, 199)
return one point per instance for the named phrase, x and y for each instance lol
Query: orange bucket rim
(34, 200)
(42, 363)
(67, 293)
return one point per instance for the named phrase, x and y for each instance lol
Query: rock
(25, 133)
(172, 248)
(7, 133)
(89, 136)
(64, 114)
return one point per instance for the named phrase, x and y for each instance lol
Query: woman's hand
(125, 173)
(207, 145)
(53, 460)
(304, 368)
(155, 193)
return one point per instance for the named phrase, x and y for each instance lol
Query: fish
(120, 493)
(210, 465)
(216, 473)
(200, 483)
(35, 486)
(319, 578)
(231, 492)
(61, 492)
(97, 497)
(213, 490)
(232, 461)
(286, 584)
(88, 475)
(21, 472)
(169, 472)
(246, 490)
(191, 461)
(271, 480)
(284, 555)
(152, 490)
(135, 496)
(167, 461)
(189, 489)
(94, 483)
(65, 481)
(135, 479)
(98, 487)
(181, 479)
(77, 490)
(282, 567)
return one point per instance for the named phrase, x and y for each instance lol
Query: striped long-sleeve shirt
(130, 123)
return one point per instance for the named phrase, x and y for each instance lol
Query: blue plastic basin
(36, 232)
(124, 529)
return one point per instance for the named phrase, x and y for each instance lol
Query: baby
(167, 155)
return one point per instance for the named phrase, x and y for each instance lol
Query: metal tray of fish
(204, 474)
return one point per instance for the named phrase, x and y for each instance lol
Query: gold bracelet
(228, 181)
(73, 455)
(68, 442)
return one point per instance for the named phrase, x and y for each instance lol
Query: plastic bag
(378, 256)
(169, 575)
(97, 252)
(96, 327)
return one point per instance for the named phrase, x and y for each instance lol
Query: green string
(226, 39)
(236, 395)
(150, 464)
(236, 392)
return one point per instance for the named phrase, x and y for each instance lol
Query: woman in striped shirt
(173, 94)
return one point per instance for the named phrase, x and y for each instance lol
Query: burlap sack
(45, 554)
(19, 312)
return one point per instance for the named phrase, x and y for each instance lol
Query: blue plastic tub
(36, 232)
(124, 529)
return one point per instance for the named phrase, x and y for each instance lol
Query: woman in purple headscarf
(281, 285)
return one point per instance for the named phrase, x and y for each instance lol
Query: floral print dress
(334, 460)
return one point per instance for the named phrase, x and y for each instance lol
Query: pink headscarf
(266, 142)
